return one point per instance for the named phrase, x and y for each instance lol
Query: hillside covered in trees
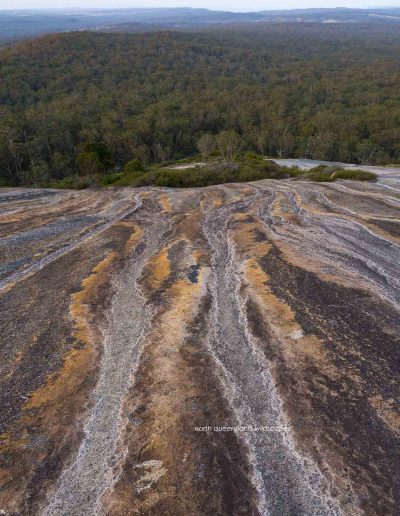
(87, 103)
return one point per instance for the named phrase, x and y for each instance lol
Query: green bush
(330, 173)
(318, 177)
(110, 178)
(356, 175)
(75, 182)
(253, 156)
(134, 165)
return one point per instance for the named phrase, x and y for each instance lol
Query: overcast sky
(229, 5)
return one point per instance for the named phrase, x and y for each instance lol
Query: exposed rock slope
(137, 323)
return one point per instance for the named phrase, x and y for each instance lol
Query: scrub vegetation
(249, 167)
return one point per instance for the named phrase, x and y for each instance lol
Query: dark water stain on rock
(193, 274)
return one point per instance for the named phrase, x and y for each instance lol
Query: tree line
(88, 103)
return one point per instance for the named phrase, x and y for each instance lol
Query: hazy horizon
(226, 5)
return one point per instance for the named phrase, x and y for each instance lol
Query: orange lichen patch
(80, 299)
(281, 318)
(135, 236)
(276, 206)
(19, 355)
(166, 203)
(190, 226)
(258, 280)
(7, 288)
(247, 190)
(64, 381)
(245, 236)
(240, 216)
(199, 255)
(185, 295)
(9, 442)
(387, 412)
(211, 197)
(7, 219)
(76, 361)
(125, 224)
(381, 232)
(133, 239)
(160, 268)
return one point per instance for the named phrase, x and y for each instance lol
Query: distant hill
(26, 23)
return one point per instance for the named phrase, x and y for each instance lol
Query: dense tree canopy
(81, 103)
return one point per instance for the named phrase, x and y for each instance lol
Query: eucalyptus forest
(84, 103)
